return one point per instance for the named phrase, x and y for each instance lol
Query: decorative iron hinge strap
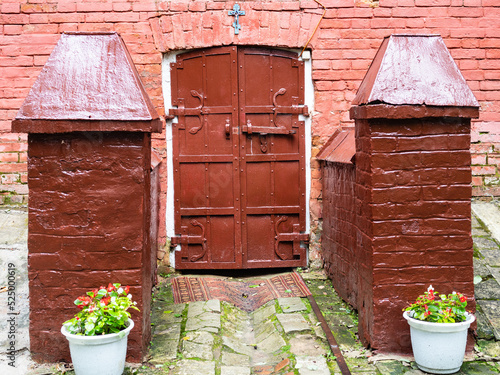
(201, 111)
(186, 239)
(296, 237)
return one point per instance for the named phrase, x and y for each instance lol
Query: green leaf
(168, 312)
(253, 286)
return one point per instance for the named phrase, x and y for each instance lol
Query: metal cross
(236, 12)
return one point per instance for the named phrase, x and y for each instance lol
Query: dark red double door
(239, 159)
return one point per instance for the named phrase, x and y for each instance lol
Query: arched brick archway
(267, 24)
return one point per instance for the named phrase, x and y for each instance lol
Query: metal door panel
(222, 238)
(258, 185)
(285, 174)
(239, 168)
(192, 195)
(259, 238)
(273, 186)
(220, 185)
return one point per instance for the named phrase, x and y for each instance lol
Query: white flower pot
(101, 354)
(438, 348)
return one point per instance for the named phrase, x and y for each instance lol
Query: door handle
(228, 128)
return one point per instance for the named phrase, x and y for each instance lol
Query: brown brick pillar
(412, 184)
(89, 157)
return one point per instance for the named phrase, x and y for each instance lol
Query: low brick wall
(413, 225)
(87, 191)
(339, 231)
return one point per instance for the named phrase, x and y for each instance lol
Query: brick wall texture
(342, 49)
(83, 234)
(339, 230)
(398, 221)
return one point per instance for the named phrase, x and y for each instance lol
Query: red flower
(126, 289)
(105, 300)
(110, 287)
(85, 300)
(94, 292)
(463, 298)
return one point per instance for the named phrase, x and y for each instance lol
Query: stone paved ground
(283, 337)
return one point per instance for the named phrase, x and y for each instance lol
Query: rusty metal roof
(340, 148)
(88, 76)
(414, 70)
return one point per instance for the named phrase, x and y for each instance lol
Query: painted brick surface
(413, 220)
(86, 192)
(339, 231)
(342, 49)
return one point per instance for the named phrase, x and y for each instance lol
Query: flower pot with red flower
(98, 334)
(438, 329)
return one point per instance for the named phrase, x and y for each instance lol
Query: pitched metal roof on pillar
(89, 83)
(415, 70)
(340, 148)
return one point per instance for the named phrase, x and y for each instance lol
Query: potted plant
(438, 329)
(98, 334)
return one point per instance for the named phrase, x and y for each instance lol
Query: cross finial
(236, 12)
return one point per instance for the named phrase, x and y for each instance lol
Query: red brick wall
(339, 231)
(413, 219)
(87, 191)
(342, 50)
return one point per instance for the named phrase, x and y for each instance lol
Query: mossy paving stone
(264, 313)
(344, 338)
(391, 367)
(341, 319)
(360, 365)
(485, 243)
(480, 268)
(491, 257)
(233, 359)
(163, 321)
(488, 289)
(164, 293)
(164, 349)
(206, 321)
(491, 310)
(484, 328)
(201, 307)
(193, 367)
(194, 350)
(326, 305)
(490, 348)
(263, 330)
(293, 322)
(234, 370)
(479, 232)
(306, 345)
(272, 343)
(474, 222)
(292, 304)
(495, 271)
(312, 365)
(477, 368)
